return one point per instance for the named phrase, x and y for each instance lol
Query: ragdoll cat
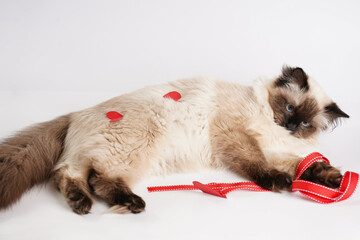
(260, 132)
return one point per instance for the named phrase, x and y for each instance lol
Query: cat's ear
(292, 75)
(334, 113)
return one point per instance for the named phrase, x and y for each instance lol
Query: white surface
(62, 56)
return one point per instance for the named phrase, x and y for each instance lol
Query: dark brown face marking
(278, 104)
(293, 76)
(296, 119)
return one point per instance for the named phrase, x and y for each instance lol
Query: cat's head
(300, 105)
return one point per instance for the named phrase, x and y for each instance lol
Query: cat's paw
(78, 200)
(129, 204)
(136, 204)
(324, 174)
(275, 180)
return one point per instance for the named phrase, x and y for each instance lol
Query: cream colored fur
(158, 135)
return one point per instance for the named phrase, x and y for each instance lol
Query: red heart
(173, 95)
(114, 116)
(207, 189)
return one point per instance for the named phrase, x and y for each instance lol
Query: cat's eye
(305, 124)
(289, 107)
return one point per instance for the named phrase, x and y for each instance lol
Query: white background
(62, 56)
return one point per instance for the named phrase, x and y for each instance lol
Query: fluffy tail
(29, 157)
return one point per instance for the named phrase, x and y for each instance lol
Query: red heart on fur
(173, 95)
(114, 116)
(207, 189)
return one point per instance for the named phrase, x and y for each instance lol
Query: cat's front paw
(275, 180)
(324, 174)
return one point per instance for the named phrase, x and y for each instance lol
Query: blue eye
(305, 124)
(289, 107)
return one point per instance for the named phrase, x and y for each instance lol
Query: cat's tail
(29, 157)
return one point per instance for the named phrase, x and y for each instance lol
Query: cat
(260, 132)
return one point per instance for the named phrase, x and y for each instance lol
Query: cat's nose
(291, 126)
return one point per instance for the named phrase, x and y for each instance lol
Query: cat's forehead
(297, 96)
(291, 95)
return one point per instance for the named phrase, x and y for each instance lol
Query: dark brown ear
(293, 75)
(333, 112)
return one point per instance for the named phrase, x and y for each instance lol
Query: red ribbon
(320, 193)
(314, 191)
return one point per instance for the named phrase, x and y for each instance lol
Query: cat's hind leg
(116, 192)
(75, 190)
